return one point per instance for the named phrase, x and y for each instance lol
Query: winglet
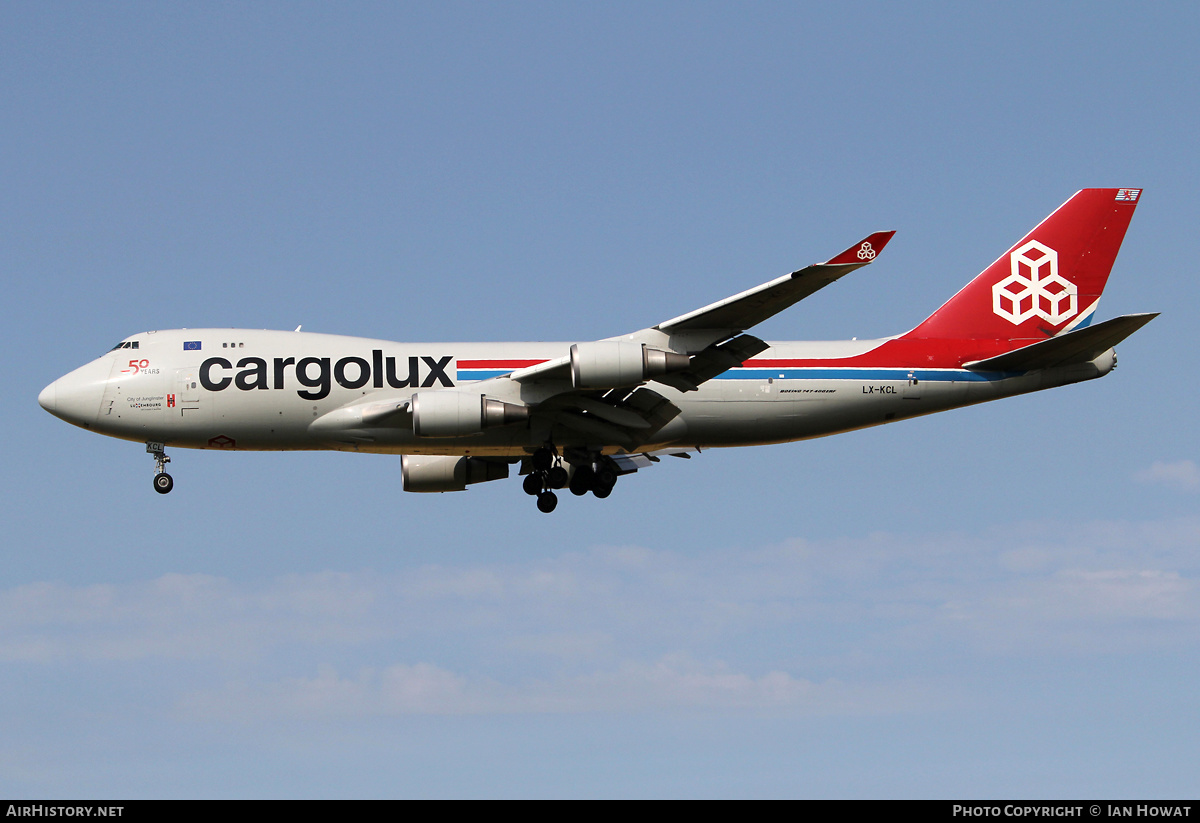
(862, 252)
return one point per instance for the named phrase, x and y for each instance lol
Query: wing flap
(629, 463)
(592, 426)
(613, 414)
(715, 360)
(619, 416)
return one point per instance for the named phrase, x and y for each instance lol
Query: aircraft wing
(751, 307)
(708, 341)
(711, 336)
(700, 333)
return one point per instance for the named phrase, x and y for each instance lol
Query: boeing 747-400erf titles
(579, 415)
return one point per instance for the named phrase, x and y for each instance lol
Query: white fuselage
(275, 390)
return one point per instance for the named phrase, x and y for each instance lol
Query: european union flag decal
(191, 345)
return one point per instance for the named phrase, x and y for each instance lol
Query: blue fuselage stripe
(932, 375)
(482, 374)
(944, 375)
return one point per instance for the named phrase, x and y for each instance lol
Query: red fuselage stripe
(497, 364)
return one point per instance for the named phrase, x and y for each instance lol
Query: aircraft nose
(76, 397)
(46, 398)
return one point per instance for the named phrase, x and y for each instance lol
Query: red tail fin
(1049, 282)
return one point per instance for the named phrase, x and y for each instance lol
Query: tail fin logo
(865, 252)
(1035, 289)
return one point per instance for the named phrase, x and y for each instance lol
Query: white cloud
(182, 616)
(1091, 602)
(675, 681)
(1121, 593)
(1183, 475)
(563, 645)
(812, 625)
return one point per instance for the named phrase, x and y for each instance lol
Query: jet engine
(612, 364)
(454, 413)
(437, 473)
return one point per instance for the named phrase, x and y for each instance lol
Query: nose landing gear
(163, 482)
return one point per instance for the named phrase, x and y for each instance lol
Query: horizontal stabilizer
(1079, 346)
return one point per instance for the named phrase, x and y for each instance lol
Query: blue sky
(999, 601)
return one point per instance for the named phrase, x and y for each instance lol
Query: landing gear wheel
(532, 484)
(603, 482)
(162, 481)
(581, 481)
(547, 501)
(557, 477)
(543, 459)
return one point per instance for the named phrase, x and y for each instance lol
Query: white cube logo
(1034, 288)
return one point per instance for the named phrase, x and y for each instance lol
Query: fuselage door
(185, 398)
(912, 390)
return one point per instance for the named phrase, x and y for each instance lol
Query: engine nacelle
(437, 473)
(454, 413)
(612, 364)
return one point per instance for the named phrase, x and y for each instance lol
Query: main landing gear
(162, 481)
(549, 473)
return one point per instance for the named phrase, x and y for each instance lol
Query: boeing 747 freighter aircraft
(579, 415)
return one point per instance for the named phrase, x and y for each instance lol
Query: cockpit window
(125, 344)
